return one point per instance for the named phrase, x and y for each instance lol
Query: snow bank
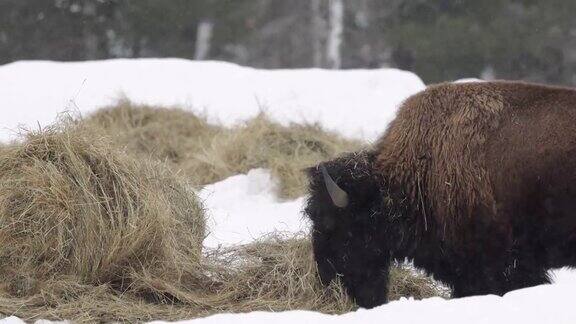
(16, 320)
(357, 103)
(541, 304)
(468, 80)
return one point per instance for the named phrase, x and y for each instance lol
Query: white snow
(541, 304)
(243, 207)
(468, 80)
(16, 320)
(357, 103)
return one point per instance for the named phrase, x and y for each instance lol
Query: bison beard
(475, 182)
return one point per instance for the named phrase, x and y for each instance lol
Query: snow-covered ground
(244, 207)
(355, 103)
(542, 304)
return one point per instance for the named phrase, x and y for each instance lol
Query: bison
(474, 182)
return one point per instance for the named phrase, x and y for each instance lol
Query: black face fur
(351, 242)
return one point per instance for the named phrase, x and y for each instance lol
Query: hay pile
(90, 233)
(75, 213)
(206, 154)
(284, 150)
(170, 135)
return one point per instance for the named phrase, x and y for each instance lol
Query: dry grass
(261, 143)
(166, 134)
(273, 274)
(89, 233)
(206, 154)
(278, 273)
(72, 209)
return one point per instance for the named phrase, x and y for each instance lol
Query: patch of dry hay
(261, 143)
(279, 273)
(170, 135)
(207, 154)
(274, 274)
(74, 211)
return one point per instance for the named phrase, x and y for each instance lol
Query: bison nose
(370, 295)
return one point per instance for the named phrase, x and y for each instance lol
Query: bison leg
(526, 272)
(465, 287)
(480, 284)
(500, 280)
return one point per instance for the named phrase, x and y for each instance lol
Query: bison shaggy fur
(474, 182)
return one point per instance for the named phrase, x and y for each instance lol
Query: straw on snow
(206, 153)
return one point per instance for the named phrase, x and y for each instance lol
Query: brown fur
(447, 140)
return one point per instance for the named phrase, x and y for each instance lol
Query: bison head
(348, 228)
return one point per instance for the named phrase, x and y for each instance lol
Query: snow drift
(357, 103)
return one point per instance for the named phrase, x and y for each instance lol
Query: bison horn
(339, 196)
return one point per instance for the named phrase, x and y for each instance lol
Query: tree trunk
(335, 36)
(203, 39)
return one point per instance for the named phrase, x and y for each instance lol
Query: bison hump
(435, 150)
